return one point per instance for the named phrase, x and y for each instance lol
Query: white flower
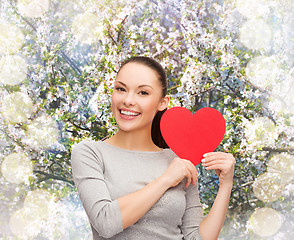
(261, 131)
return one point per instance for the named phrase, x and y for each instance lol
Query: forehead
(138, 74)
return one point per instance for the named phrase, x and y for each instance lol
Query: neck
(135, 140)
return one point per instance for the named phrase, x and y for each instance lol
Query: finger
(188, 182)
(216, 167)
(194, 175)
(225, 162)
(217, 172)
(210, 154)
(193, 171)
(222, 167)
(218, 155)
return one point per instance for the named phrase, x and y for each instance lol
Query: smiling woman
(131, 185)
(137, 97)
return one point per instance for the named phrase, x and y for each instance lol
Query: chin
(133, 123)
(127, 127)
(133, 127)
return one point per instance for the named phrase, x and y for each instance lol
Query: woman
(133, 188)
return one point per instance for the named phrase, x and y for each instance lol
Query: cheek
(115, 98)
(151, 107)
(113, 101)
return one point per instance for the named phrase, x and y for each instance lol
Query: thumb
(217, 171)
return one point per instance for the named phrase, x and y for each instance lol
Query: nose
(129, 99)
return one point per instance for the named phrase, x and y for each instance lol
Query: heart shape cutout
(190, 136)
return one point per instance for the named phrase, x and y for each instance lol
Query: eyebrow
(145, 85)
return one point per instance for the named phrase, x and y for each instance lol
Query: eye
(143, 93)
(120, 89)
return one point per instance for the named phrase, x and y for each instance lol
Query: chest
(130, 175)
(126, 175)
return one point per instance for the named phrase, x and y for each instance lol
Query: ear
(163, 103)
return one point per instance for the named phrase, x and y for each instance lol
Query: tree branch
(71, 63)
(23, 18)
(206, 90)
(109, 34)
(279, 150)
(160, 52)
(121, 28)
(172, 88)
(48, 176)
(77, 126)
(175, 17)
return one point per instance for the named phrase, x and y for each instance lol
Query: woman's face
(137, 96)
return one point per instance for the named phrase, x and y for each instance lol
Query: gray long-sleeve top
(102, 173)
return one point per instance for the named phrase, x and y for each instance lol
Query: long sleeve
(193, 214)
(103, 212)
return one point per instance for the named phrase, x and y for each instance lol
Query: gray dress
(102, 173)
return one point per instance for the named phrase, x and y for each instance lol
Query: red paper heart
(190, 136)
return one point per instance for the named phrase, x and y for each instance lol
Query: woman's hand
(223, 165)
(178, 170)
(133, 206)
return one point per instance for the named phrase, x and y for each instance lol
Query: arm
(223, 164)
(133, 206)
(109, 217)
(193, 214)
(87, 169)
(217, 214)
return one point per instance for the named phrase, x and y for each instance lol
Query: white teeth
(129, 113)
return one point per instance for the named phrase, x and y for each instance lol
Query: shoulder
(170, 153)
(87, 151)
(87, 145)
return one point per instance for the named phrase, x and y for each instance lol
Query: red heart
(190, 136)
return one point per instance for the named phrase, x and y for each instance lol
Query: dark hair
(154, 65)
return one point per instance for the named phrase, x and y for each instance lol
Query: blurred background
(59, 58)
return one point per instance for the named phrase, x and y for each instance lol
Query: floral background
(59, 58)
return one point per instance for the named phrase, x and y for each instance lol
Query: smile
(128, 113)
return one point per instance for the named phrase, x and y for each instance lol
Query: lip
(128, 117)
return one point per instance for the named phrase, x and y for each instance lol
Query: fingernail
(203, 160)
(204, 155)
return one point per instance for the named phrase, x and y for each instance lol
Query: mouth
(128, 114)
